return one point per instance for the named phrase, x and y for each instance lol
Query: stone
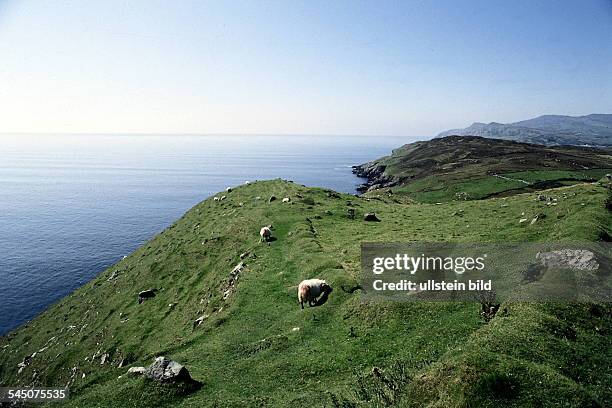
(580, 259)
(136, 370)
(370, 217)
(146, 294)
(272, 198)
(166, 371)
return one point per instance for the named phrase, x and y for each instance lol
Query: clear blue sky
(328, 67)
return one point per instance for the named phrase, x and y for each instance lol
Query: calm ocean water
(70, 206)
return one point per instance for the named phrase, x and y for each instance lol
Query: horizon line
(200, 134)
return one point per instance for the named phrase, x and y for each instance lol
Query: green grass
(247, 352)
(442, 188)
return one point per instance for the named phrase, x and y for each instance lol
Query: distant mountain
(591, 130)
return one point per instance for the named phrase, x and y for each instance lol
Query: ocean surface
(70, 206)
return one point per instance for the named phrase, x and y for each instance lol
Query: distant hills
(590, 130)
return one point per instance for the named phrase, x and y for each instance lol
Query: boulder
(166, 371)
(136, 370)
(272, 198)
(580, 259)
(370, 217)
(146, 294)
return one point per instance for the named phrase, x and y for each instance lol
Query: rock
(200, 320)
(272, 198)
(244, 254)
(25, 362)
(237, 269)
(146, 294)
(537, 217)
(286, 200)
(328, 212)
(136, 370)
(580, 259)
(350, 213)
(104, 358)
(370, 217)
(229, 189)
(523, 220)
(166, 371)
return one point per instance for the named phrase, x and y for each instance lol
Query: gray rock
(136, 370)
(580, 259)
(146, 294)
(166, 371)
(370, 217)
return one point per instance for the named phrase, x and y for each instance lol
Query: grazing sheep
(216, 198)
(286, 200)
(310, 289)
(222, 198)
(229, 189)
(265, 233)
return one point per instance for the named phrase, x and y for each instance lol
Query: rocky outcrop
(375, 176)
(580, 259)
(371, 217)
(167, 372)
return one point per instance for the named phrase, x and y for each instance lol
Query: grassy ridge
(471, 168)
(257, 348)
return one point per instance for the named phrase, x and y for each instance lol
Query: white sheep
(265, 233)
(229, 189)
(286, 200)
(310, 289)
(216, 198)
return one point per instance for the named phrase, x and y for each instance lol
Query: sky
(400, 68)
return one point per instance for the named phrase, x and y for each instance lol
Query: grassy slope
(247, 353)
(465, 167)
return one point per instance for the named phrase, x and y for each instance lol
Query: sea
(72, 205)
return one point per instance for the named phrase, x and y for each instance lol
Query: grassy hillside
(257, 348)
(470, 167)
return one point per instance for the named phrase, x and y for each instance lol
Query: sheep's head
(325, 288)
